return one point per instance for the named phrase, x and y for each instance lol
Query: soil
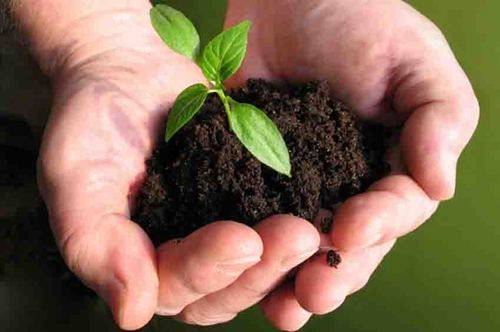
(325, 225)
(204, 174)
(333, 258)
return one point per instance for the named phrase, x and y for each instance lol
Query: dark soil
(204, 174)
(326, 224)
(333, 258)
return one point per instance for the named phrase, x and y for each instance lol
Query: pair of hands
(111, 92)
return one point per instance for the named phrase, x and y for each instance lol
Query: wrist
(63, 34)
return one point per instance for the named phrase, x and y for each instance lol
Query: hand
(391, 65)
(114, 81)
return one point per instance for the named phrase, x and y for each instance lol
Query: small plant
(219, 60)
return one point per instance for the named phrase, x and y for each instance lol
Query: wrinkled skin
(111, 95)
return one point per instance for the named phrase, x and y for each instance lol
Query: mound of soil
(205, 174)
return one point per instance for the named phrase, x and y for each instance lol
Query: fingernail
(450, 178)
(326, 248)
(112, 293)
(162, 311)
(293, 260)
(235, 267)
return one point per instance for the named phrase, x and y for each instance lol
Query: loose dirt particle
(333, 258)
(326, 224)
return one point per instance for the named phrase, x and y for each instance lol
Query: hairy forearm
(61, 32)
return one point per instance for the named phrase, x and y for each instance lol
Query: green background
(445, 277)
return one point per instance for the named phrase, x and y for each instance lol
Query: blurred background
(444, 277)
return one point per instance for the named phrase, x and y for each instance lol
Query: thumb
(107, 251)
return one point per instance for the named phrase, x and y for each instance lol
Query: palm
(109, 110)
(119, 102)
(358, 47)
(391, 65)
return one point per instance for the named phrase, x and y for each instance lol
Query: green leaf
(222, 57)
(260, 136)
(187, 104)
(176, 30)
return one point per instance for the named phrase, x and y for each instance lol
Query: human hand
(391, 65)
(114, 80)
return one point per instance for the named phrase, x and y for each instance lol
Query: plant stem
(224, 100)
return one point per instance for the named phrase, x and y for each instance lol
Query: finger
(432, 141)
(288, 241)
(206, 261)
(390, 208)
(444, 114)
(320, 288)
(107, 251)
(283, 310)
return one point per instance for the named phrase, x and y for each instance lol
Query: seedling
(219, 60)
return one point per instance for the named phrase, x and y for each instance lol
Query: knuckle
(474, 110)
(474, 102)
(466, 112)
(254, 291)
(360, 283)
(427, 212)
(198, 283)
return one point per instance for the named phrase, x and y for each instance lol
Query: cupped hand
(113, 84)
(391, 65)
